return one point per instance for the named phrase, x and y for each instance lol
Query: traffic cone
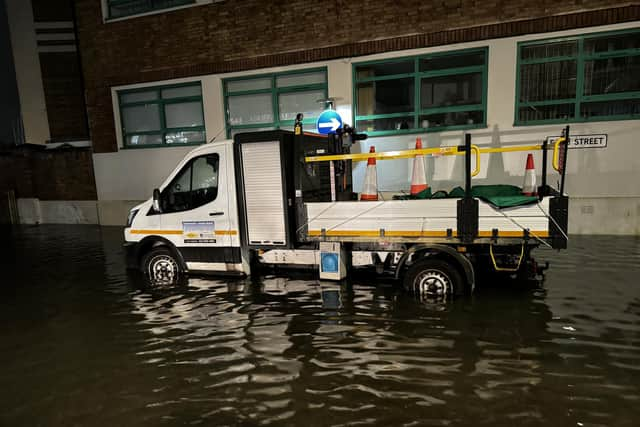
(529, 185)
(370, 191)
(419, 187)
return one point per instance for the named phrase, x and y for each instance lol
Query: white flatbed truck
(282, 198)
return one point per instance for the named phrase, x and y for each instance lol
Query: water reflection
(89, 343)
(285, 347)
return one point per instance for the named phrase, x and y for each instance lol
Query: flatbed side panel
(418, 218)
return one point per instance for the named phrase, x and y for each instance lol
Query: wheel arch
(150, 242)
(445, 252)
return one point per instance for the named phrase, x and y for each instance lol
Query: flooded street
(81, 343)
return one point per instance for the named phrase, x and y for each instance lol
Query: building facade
(162, 76)
(41, 46)
(45, 152)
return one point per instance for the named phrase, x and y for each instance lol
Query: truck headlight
(131, 216)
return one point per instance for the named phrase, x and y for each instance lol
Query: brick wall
(16, 174)
(64, 96)
(60, 174)
(250, 34)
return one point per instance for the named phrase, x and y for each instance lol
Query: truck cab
(191, 222)
(227, 201)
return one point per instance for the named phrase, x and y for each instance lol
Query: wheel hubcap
(163, 270)
(432, 283)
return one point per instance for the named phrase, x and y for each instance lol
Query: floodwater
(81, 343)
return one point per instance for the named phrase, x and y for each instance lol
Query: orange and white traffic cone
(419, 187)
(370, 190)
(529, 185)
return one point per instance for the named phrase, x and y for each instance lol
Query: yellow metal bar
(510, 269)
(383, 155)
(407, 154)
(376, 233)
(556, 153)
(418, 233)
(511, 149)
(477, 151)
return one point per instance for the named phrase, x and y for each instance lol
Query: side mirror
(156, 201)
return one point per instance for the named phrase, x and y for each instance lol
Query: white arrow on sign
(335, 124)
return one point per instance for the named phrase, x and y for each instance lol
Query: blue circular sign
(328, 122)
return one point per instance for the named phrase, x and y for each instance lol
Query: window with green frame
(162, 116)
(121, 8)
(271, 101)
(427, 93)
(592, 77)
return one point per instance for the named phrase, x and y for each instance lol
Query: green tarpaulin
(500, 196)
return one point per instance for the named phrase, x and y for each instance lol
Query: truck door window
(194, 186)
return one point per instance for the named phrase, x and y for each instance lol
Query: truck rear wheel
(161, 267)
(431, 278)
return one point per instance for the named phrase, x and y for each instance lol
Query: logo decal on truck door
(199, 231)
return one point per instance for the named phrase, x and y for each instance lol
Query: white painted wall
(133, 174)
(28, 75)
(69, 211)
(593, 174)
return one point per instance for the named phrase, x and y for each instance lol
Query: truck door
(196, 201)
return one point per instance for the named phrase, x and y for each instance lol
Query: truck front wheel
(433, 278)
(161, 267)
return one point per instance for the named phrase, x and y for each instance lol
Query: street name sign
(582, 141)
